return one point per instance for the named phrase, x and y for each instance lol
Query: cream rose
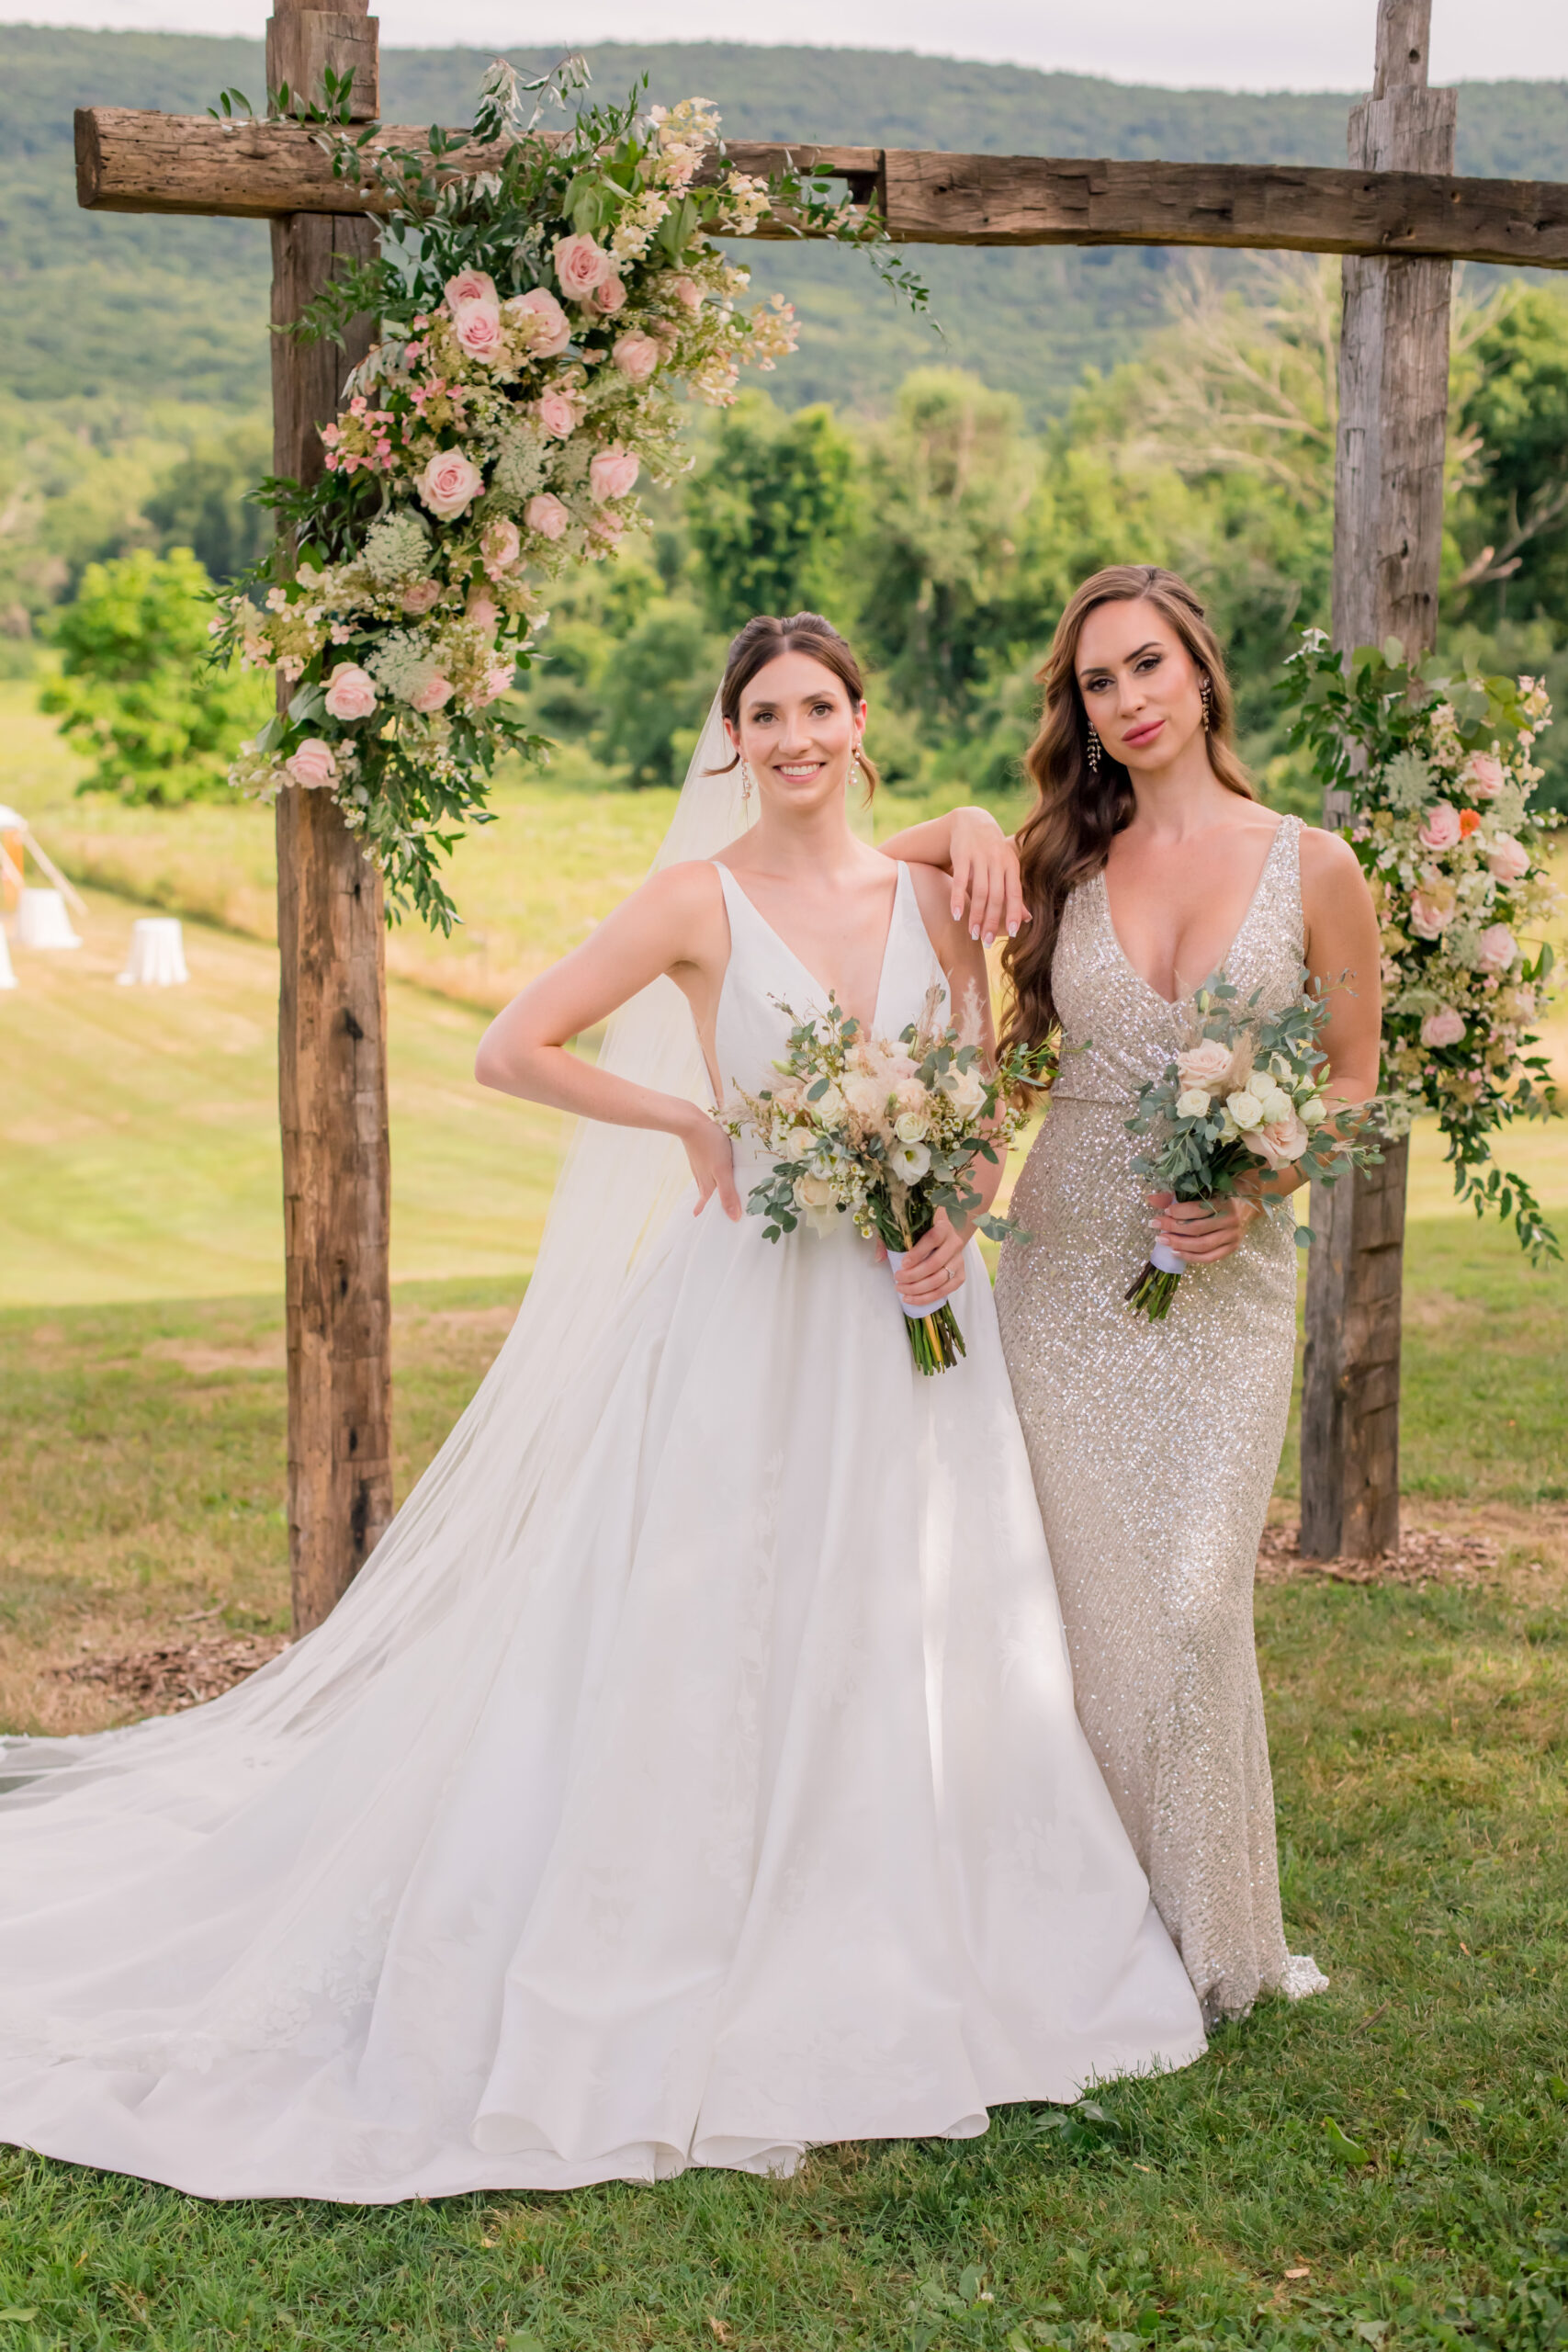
(1507, 860)
(799, 1144)
(830, 1105)
(581, 265)
(909, 1126)
(1278, 1141)
(500, 545)
(636, 355)
(1314, 1111)
(1496, 947)
(557, 414)
(351, 692)
(966, 1092)
(813, 1192)
(1444, 1027)
(1214, 1067)
(1192, 1102)
(1245, 1108)
(313, 764)
(1441, 828)
(546, 516)
(866, 1095)
(450, 483)
(537, 320)
(613, 473)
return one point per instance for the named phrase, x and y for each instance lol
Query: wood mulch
(1426, 1555)
(185, 1674)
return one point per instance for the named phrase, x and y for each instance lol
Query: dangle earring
(1093, 750)
(746, 785)
(1203, 697)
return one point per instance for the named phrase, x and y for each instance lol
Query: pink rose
(1281, 1141)
(556, 412)
(433, 693)
(497, 680)
(483, 612)
(1445, 1027)
(500, 545)
(539, 321)
(1496, 947)
(608, 295)
(687, 293)
(420, 595)
(351, 692)
(607, 526)
(613, 473)
(546, 516)
(478, 331)
(1441, 829)
(469, 286)
(1484, 774)
(450, 482)
(1507, 860)
(1429, 915)
(580, 266)
(313, 764)
(636, 357)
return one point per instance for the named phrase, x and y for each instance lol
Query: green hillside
(127, 311)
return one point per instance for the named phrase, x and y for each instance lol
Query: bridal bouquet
(887, 1131)
(1247, 1094)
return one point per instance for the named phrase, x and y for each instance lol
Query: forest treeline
(945, 534)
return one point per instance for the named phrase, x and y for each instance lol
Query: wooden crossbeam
(133, 162)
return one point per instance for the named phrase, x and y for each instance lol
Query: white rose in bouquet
(909, 1126)
(1192, 1102)
(1245, 1108)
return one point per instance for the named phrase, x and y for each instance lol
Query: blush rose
(580, 266)
(539, 321)
(469, 286)
(1483, 773)
(433, 694)
(1441, 829)
(420, 595)
(313, 764)
(500, 545)
(480, 333)
(1507, 860)
(613, 473)
(351, 692)
(557, 413)
(1496, 947)
(450, 483)
(1444, 1027)
(636, 355)
(546, 516)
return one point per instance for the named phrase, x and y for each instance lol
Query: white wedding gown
(699, 1785)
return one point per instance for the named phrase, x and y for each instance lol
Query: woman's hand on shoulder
(986, 878)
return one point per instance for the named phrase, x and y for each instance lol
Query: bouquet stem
(1154, 1287)
(935, 1341)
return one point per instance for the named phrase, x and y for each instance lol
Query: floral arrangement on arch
(1440, 777)
(536, 321)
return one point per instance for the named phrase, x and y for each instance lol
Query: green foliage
(656, 690)
(137, 689)
(1520, 411)
(203, 502)
(769, 512)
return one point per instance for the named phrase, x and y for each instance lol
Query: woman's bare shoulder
(1328, 862)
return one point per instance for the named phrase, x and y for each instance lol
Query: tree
(770, 510)
(1519, 412)
(137, 686)
(655, 691)
(201, 503)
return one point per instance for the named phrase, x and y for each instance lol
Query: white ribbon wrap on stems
(1166, 1259)
(916, 1314)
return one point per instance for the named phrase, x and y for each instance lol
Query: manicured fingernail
(1012, 931)
(990, 935)
(973, 931)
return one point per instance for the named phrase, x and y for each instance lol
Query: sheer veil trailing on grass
(690, 1777)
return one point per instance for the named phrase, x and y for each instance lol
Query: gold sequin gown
(1154, 1447)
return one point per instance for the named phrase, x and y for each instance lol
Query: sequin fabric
(1154, 1447)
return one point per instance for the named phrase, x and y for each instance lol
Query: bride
(692, 1776)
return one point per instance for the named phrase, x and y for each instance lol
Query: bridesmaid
(1146, 864)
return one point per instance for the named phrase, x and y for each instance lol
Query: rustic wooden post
(1388, 524)
(331, 1062)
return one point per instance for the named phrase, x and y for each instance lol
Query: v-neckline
(1175, 1003)
(802, 967)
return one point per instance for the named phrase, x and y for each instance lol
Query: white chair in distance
(157, 958)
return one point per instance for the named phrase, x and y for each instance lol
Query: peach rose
(1211, 1068)
(608, 295)
(580, 266)
(420, 595)
(613, 473)
(450, 483)
(469, 286)
(1444, 1027)
(556, 412)
(1280, 1141)
(1484, 775)
(433, 694)
(539, 320)
(1431, 911)
(478, 331)
(351, 692)
(546, 516)
(1496, 947)
(500, 545)
(1441, 829)
(1507, 859)
(636, 357)
(313, 764)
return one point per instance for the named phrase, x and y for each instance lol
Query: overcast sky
(1202, 44)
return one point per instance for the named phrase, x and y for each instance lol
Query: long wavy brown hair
(1076, 815)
